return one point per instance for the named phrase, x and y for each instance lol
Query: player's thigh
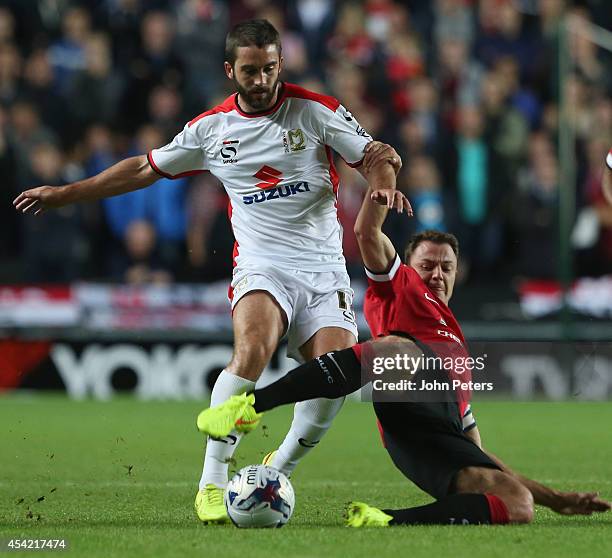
(327, 339)
(259, 323)
(426, 443)
(480, 479)
(324, 319)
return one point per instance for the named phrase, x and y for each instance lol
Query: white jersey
(278, 170)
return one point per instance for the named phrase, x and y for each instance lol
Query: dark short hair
(437, 237)
(253, 32)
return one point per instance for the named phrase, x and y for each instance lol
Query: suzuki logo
(269, 176)
(276, 193)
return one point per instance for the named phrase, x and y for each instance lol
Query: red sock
(498, 510)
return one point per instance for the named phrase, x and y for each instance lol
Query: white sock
(219, 452)
(311, 420)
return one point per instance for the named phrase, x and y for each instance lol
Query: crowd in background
(466, 90)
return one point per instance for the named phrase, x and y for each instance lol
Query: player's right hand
(393, 199)
(36, 200)
(579, 503)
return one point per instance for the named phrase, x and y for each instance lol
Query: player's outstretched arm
(606, 181)
(125, 176)
(565, 503)
(376, 248)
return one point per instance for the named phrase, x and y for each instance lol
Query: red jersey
(399, 302)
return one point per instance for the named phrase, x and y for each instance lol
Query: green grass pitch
(119, 478)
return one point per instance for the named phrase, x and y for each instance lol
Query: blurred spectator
(67, 55)
(138, 263)
(100, 150)
(425, 194)
(165, 108)
(157, 63)
(245, 9)
(371, 118)
(423, 103)
(578, 107)
(95, 91)
(162, 205)
(54, 248)
(10, 73)
(453, 21)
(350, 41)
(294, 49)
(404, 62)
(348, 83)
(472, 166)
(210, 239)
(122, 18)
(583, 50)
(546, 71)
(201, 29)
(26, 131)
(506, 132)
(314, 84)
(7, 26)
(502, 34)
(550, 12)
(9, 222)
(458, 79)
(404, 59)
(39, 88)
(413, 139)
(523, 100)
(39, 21)
(477, 193)
(550, 121)
(315, 21)
(536, 223)
(379, 18)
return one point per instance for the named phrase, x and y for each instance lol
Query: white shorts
(310, 300)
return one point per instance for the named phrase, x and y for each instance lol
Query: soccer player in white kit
(271, 145)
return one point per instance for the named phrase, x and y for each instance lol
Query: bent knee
(516, 497)
(520, 505)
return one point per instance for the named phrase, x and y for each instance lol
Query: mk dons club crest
(294, 140)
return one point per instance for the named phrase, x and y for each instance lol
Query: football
(259, 496)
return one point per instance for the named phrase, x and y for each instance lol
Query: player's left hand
(393, 199)
(579, 503)
(377, 152)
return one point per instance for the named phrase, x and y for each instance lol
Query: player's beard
(258, 102)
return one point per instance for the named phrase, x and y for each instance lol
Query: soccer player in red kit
(435, 442)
